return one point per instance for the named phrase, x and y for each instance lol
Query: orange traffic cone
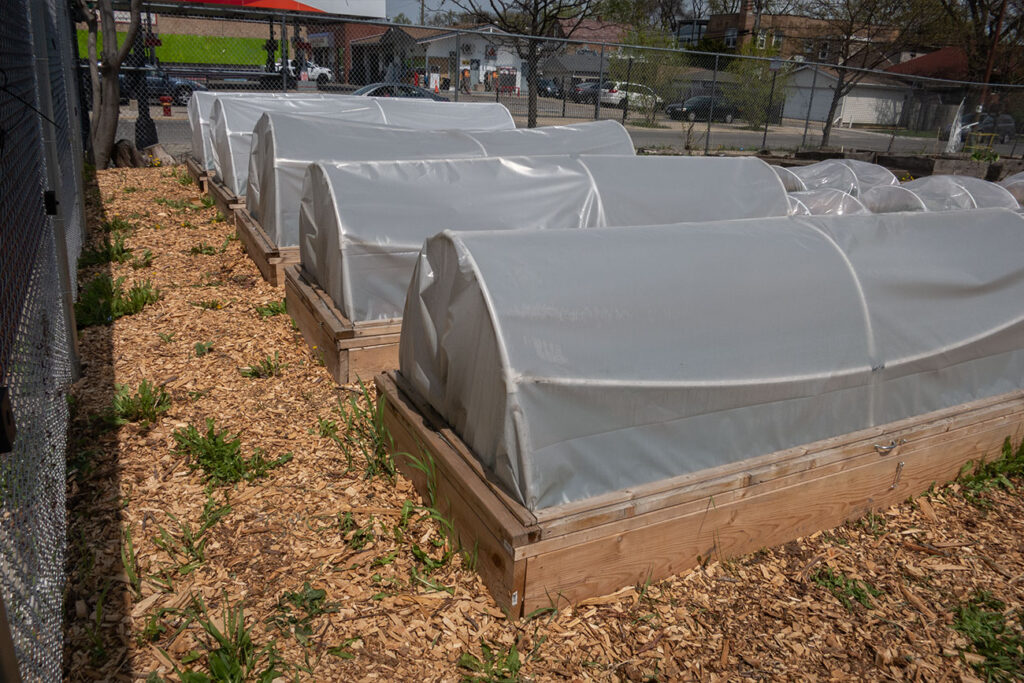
(436, 91)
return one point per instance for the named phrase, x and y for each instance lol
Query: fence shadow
(97, 596)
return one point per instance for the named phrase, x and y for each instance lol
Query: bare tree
(99, 18)
(989, 31)
(537, 19)
(863, 34)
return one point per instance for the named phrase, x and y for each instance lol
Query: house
(569, 69)
(592, 33)
(874, 100)
(691, 32)
(485, 56)
(947, 62)
(792, 35)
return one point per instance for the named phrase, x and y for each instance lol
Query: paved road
(175, 134)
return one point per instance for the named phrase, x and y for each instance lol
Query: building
(875, 100)
(592, 33)
(574, 68)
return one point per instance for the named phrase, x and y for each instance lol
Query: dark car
(397, 90)
(588, 91)
(547, 87)
(700, 107)
(159, 83)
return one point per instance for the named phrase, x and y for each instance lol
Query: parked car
(547, 87)
(315, 72)
(159, 83)
(586, 91)
(1002, 125)
(637, 96)
(700, 107)
(397, 90)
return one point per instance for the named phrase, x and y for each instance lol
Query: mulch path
(393, 605)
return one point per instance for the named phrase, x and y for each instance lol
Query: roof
(875, 79)
(575, 64)
(947, 62)
(593, 30)
(413, 32)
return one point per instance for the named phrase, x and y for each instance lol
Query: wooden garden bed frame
(198, 173)
(351, 351)
(589, 548)
(223, 197)
(268, 257)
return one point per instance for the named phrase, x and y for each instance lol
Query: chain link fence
(41, 215)
(688, 101)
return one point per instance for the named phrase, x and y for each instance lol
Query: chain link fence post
(600, 84)
(711, 108)
(810, 103)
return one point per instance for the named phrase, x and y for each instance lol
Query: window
(777, 39)
(730, 37)
(808, 46)
(762, 39)
(823, 50)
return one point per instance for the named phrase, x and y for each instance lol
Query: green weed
(271, 309)
(496, 664)
(231, 655)
(145, 260)
(975, 480)
(117, 224)
(129, 189)
(179, 204)
(187, 546)
(209, 304)
(268, 367)
(107, 252)
(845, 589)
(104, 300)
(364, 434)
(219, 218)
(297, 610)
(203, 249)
(130, 561)
(983, 621)
(218, 454)
(208, 201)
(98, 652)
(185, 180)
(166, 337)
(873, 523)
(144, 406)
(203, 348)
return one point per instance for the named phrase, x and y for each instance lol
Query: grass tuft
(270, 366)
(272, 308)
(107, 252)
(983, 621)
(845, 589)
(218, 454)
(144, 406)
(104, 300)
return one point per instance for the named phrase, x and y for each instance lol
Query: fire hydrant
(166, 100)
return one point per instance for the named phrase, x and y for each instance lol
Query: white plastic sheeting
(950, 192)
(283, 145)
(200, 108)
(790, 180)
(824, 202)
(233, 119)
(849, 175)
(1014, 184)
(891, 199)
(362, 224)
(669, 350)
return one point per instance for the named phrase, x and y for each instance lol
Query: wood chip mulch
(392, 606)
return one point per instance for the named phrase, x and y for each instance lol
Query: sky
(411, 8)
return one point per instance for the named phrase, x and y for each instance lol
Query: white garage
(874, 100)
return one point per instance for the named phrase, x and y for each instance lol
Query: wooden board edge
(482, 532)
(719, 530)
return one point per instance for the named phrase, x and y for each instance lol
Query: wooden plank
(483, 528)
(198, 173)
(224, 198)
(726, 529)
(1004, 424)
(437, 424)
(352, 357)
(270, 259)
(636, 500)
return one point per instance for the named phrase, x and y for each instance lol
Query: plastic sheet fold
(669, 350)
(283, 145)
(826, 202)
(362, 223)
(233, 119)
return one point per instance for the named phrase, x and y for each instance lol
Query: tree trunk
(837, 95)
(532, 60)
(105, 113)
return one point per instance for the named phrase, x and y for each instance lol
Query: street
(667, 135)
